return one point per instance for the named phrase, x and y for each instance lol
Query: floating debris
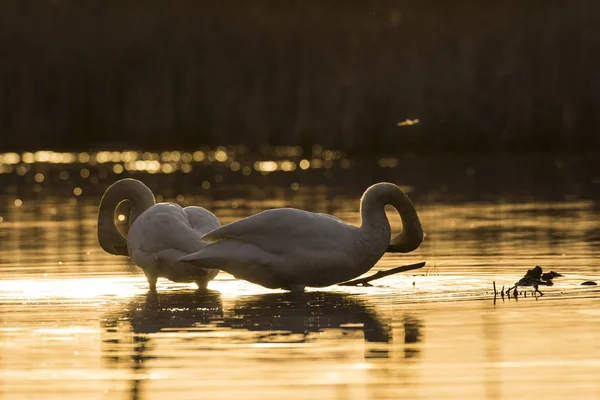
(589, 283)
(536, 277)
(380, 274)
(548, 276)
(512, 291)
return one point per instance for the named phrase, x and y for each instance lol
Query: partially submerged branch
(381, 274)
(515, 293)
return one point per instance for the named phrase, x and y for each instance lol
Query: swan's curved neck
(141, 198)
(374, 219)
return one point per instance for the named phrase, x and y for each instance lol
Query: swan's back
(283, 247)
(201, 219)
(164, 226)
(285, 230)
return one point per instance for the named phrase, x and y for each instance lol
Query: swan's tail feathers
(202, 259)
(242, 260)
(214, 256)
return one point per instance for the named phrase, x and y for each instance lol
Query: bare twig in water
(381, 274)
(515, 292)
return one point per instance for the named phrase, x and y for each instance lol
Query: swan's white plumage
(283, 247)
(159, 234)
(291, 249)
(166, 232)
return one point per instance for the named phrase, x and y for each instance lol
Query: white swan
(159, 234)
(291, 249)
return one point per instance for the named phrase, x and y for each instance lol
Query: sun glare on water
(113, 288)
(80, 288)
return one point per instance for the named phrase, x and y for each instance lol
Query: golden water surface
(77, 323)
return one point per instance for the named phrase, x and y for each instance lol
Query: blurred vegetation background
(478, 75)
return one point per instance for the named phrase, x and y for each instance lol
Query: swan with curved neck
(159, 234)
(292, 249)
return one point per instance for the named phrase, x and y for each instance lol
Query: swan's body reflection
(133, 333)
(303, 314)
(150, 314)
(294, 313)
(177, 311)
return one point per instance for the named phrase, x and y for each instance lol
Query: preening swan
(291, 249)
(159, 234)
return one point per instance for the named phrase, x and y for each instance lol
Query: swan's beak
(405, 242)
(121, 250)
(404, 248)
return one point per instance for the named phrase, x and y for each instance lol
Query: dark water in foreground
(77, 323)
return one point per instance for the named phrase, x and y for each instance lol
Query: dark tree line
(506, 74)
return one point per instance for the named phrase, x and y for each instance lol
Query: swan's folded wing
(263, 223)
(282, 229)
(242, 260)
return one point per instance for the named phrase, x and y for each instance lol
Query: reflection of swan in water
(159, 234)
(306, 313)
(274, 312)
(291, 249)
(155, 312)
(412, 335)
(309, 312)
(149, 314)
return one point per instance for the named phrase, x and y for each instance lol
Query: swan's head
(115, 249)
(406, 242)
(110, 238)
(381, 194)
